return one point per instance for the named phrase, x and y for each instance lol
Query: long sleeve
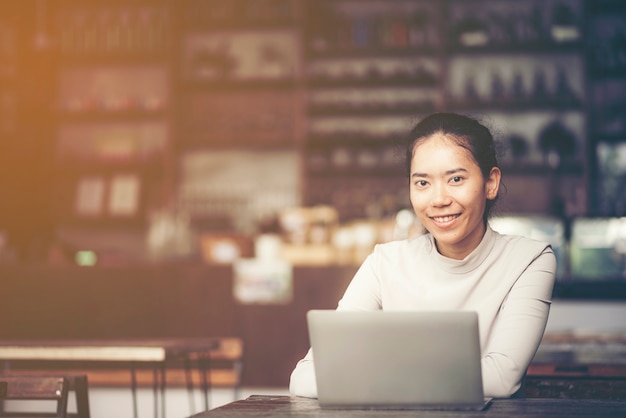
(302, 381)
(519, 328)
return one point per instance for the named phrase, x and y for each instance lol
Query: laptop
(397, 359)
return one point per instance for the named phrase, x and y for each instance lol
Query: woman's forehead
(441, 150)
(441, 141)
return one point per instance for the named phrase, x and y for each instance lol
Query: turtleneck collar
(473, 259)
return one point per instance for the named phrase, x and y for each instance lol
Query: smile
(443, 219)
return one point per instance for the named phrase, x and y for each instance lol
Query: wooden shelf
(130, 115)
(228, 84)
(375, 82)
(371, 110)
(540, 47)
(516, 105)
(373, 51)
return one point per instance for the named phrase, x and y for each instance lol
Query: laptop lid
(397, 360)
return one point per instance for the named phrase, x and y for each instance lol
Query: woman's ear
(492, 185)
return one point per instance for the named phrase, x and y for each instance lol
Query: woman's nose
(440, 196)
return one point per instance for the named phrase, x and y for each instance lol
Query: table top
(293, 407)
(147, 350)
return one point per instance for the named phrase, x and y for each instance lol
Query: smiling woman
(453, 183)
(461, 263)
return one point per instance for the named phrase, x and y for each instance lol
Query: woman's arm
(302, 381)
(519, 328)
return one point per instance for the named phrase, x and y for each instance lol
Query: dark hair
(465, 132)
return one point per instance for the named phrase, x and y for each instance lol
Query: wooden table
(129, 352)
(578, 365)
(292, 407)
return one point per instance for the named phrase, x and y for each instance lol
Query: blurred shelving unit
(238, 74)
(374, 68)
(520, 66)
(227, 112)
(113, 111)
(239, 111)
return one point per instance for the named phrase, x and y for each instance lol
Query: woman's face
(448, 193)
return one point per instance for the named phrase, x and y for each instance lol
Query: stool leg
(204, 366)
(62, 402)
(238, 367)
(81, 389)
(155, 390)
(133, 386)
(163, 384)
(190, 391)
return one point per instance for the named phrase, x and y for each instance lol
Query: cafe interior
(181, 181)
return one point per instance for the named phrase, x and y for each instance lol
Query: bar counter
(183, 300)
(292, 407)
(195, 300)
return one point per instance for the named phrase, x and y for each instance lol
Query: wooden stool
(37, 388)
(43, 387)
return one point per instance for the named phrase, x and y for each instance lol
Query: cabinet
(373, 68)
(113, 111)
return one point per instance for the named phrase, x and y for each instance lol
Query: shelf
(510, 105)
(372, 51)
(330, 173)
(371, 109)
(351, 138)
(239, 85)
(375, 82)
(108, 59)
(199, 24)
(72, 165)
(540, 47)
(112, 115)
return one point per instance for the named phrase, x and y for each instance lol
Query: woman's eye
(421, 183)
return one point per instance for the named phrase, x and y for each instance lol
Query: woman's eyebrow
(447, 172)
(456, 170)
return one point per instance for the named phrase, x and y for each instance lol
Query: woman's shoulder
(520, 243)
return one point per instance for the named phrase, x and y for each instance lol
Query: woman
(460, 263)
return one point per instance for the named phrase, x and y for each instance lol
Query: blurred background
(197, 133)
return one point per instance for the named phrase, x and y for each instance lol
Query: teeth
(444, 218)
